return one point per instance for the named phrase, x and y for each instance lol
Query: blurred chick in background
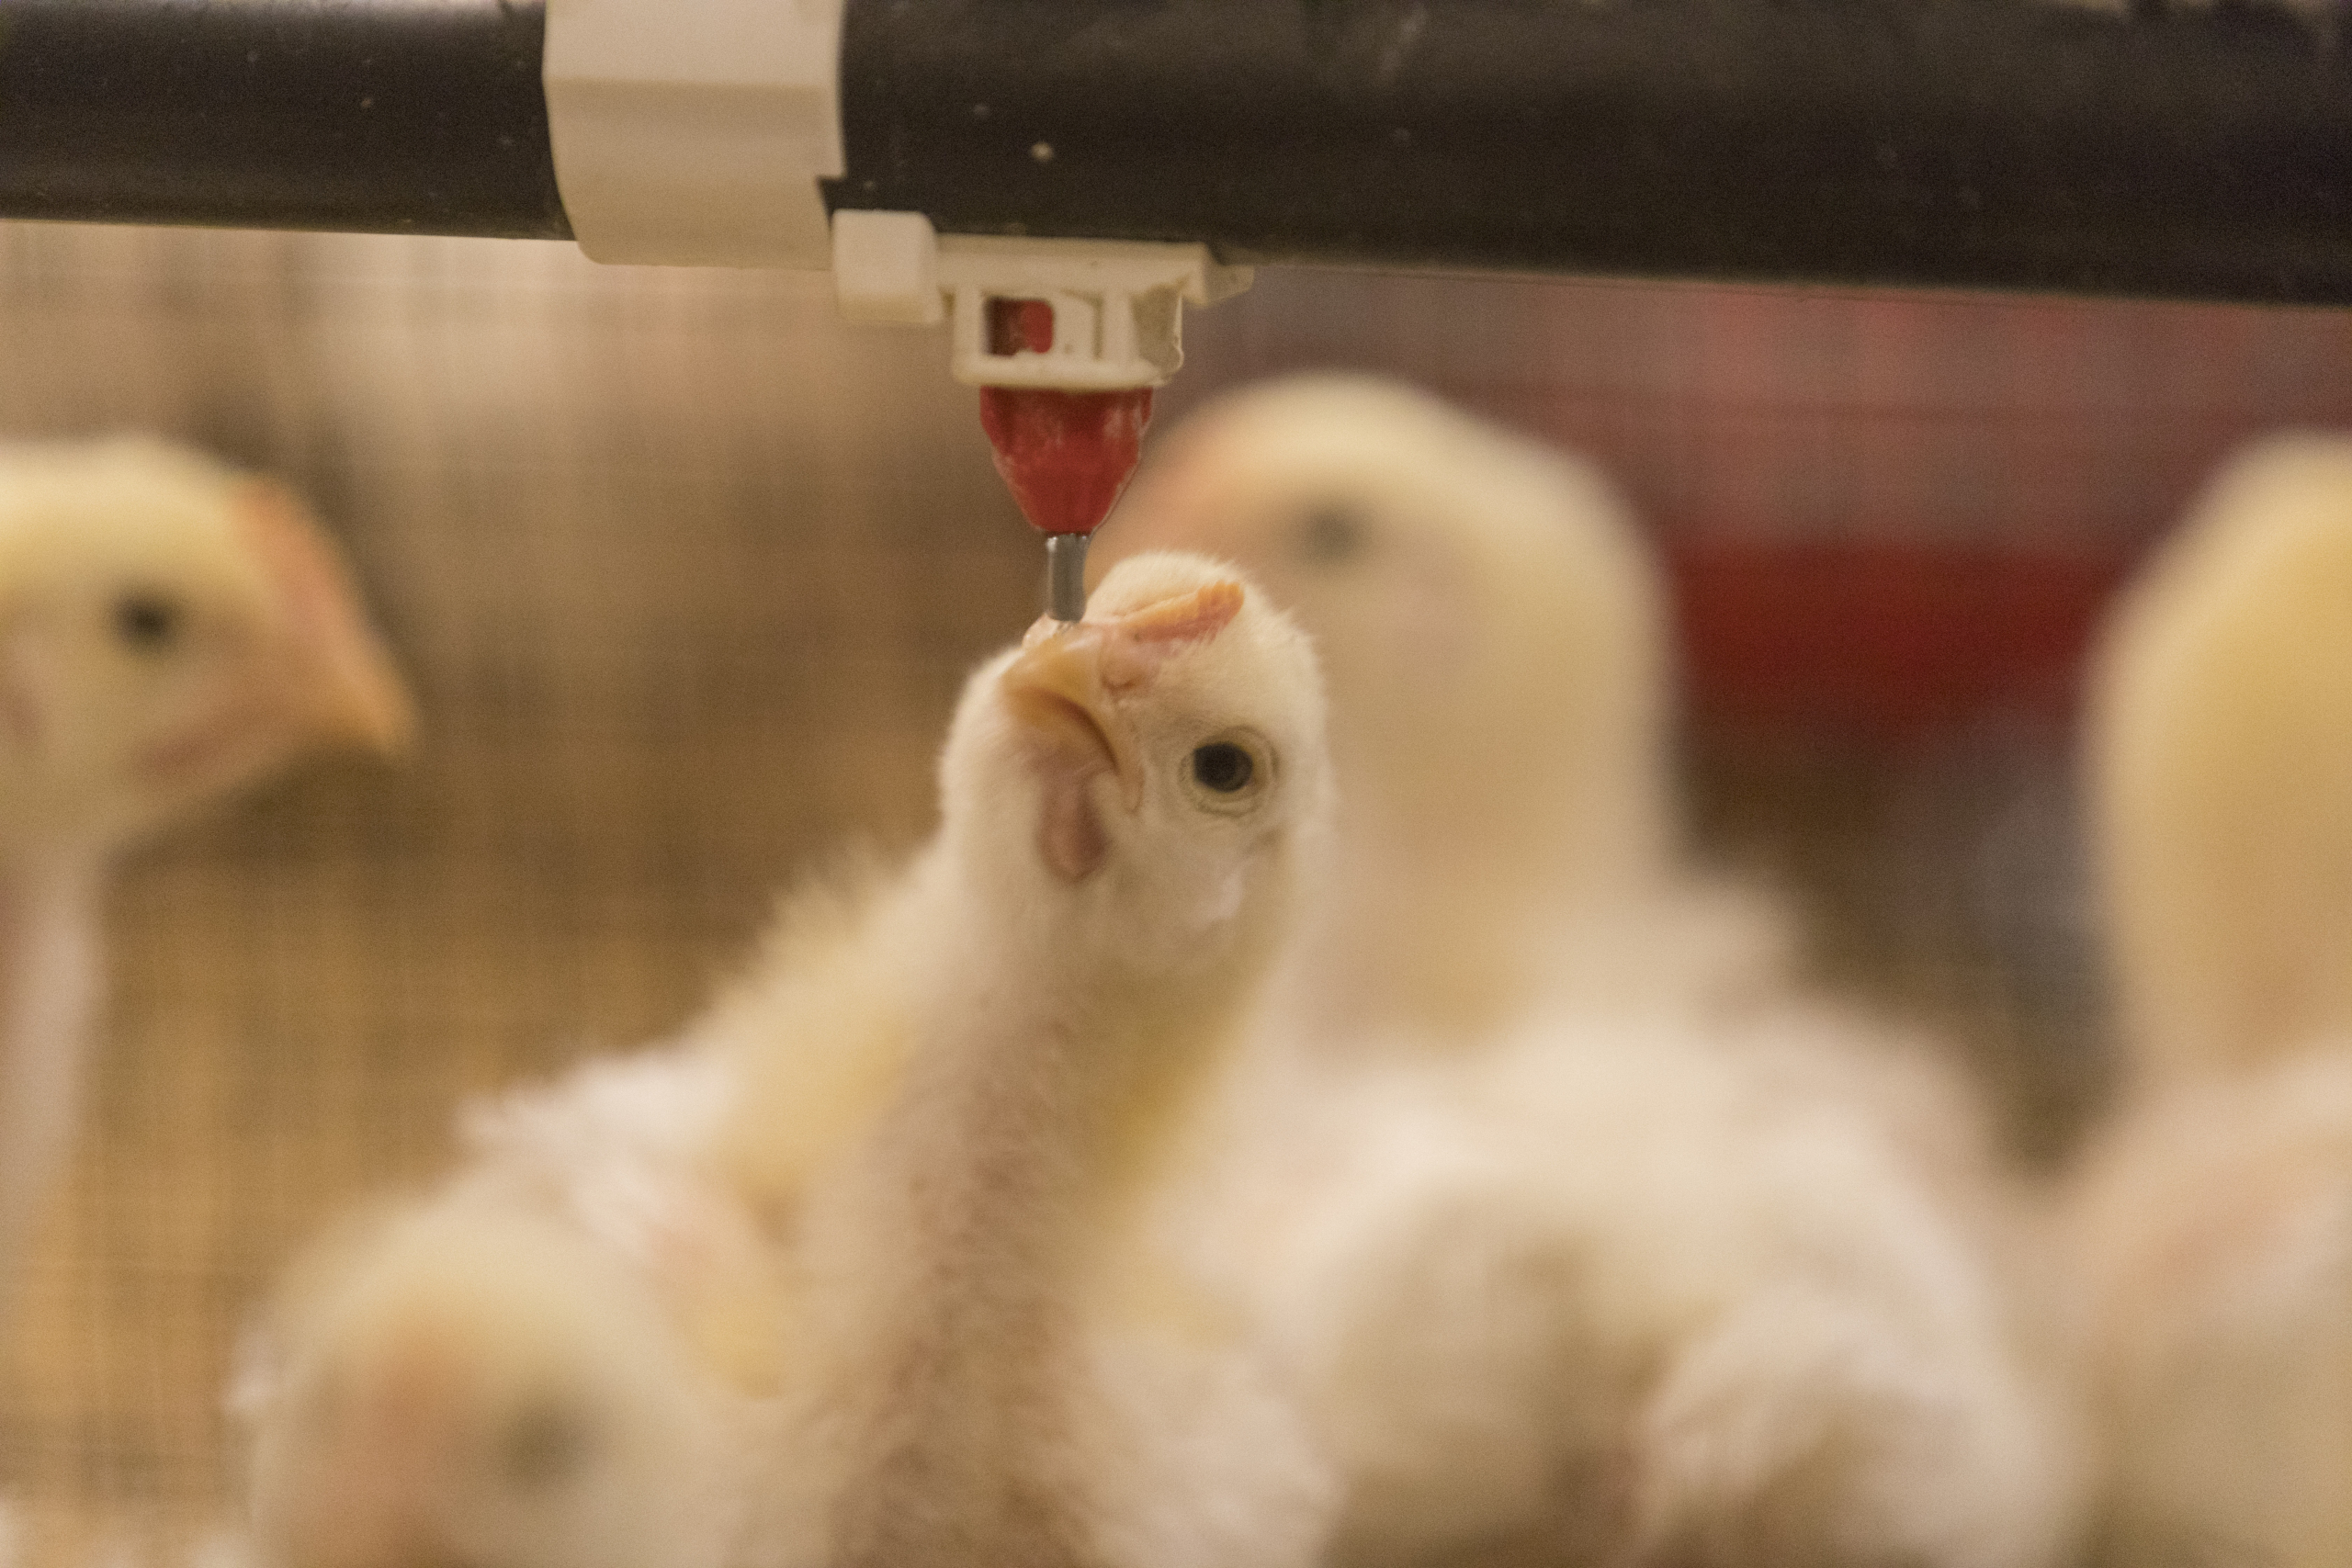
(909, 1151)
(1594, 1237)
(556, 1361)
(2214, 1222)
(1495, 638)
(170, 630)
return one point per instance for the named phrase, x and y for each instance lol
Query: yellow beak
(1055, 691)
(348, 692)
(1063, 684)
(360, 701)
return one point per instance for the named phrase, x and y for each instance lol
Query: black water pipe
(385, 116)
(1974, 144)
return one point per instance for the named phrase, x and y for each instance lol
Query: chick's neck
(1041, 1098)
(50, 986)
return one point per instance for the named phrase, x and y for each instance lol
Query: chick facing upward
(1150, 777)
(1128, 804)
(169, 629)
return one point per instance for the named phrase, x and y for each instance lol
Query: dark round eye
(1224, 767)
(1330, 535)
(547, 1442)
(146, 622)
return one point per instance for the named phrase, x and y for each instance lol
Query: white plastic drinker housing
(1118, 306)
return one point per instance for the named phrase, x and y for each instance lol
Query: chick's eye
(147, 623)
(1224, 767)
(1330, 535)
(1230, 776)
(547, 1442)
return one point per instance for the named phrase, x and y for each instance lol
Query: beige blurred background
(686, 574)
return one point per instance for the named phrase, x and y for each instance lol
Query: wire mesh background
(686, 574)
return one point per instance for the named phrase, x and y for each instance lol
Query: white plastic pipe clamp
(1118, 306)
(695, 131)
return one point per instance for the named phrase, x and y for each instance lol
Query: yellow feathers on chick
(2212, 1218)
(589, 1271)
(2218, 773)
(173, 629)
(1494, 635)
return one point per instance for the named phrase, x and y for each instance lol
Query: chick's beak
(1062, 685)
(346, 692)
(360, 701)
(1055, 692)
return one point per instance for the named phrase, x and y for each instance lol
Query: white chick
(1592, 1235)
(170, 630)
(473, 1379)
(2213, 1219)
(873, 1222)
(1642, 1287)
(560, 1357)
(1006, 1372)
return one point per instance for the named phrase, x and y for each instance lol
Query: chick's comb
(1188, 617)
(1136, 643)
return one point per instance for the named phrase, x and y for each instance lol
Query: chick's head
(169, 629)
(1147, 779)
(2220, 759)
(471, 1386)
(1490, 627)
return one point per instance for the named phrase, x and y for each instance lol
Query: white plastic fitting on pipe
(695, 131)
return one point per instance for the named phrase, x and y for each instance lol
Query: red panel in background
(1881, 638)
